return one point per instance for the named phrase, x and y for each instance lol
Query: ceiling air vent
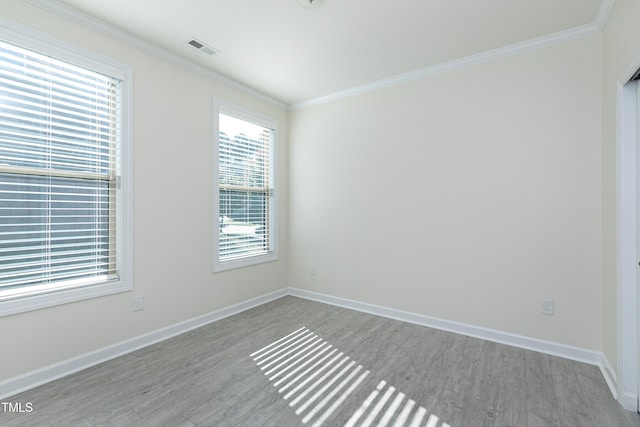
(202, 47)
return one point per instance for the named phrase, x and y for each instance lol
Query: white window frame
(46, 44)
(222, 106)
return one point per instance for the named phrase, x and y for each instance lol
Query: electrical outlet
(138, 303)
(312, 270)
(547, 307)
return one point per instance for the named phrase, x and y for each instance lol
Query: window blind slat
(100, 104)
(59, 134)
(19, 138)
(68, 86)
(56, 267)
(65, 126)
(22, 259)
(35, 251)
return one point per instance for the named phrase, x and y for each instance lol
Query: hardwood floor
(293, 361)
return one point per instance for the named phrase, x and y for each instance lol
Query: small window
(244, 191)
(61, 197)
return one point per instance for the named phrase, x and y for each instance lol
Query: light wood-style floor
(294, 362)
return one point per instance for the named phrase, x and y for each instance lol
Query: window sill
(219, 266)
(44, 300)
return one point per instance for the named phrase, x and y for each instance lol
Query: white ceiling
(295, 54)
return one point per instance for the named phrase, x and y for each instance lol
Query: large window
(61, 189)
(245, 190)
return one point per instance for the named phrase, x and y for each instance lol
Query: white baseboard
(49, 373)
(20, 383)
(629, 401)
(609, 375)
(548, 347)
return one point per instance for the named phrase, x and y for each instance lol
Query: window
(245, 192)
(62, 185)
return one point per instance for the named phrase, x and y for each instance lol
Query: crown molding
(58, 8)
(606, 7)
(456, 64)
(67, 12)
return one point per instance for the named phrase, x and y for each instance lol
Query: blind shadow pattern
(316, 379)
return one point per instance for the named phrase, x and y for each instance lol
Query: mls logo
(17, 407)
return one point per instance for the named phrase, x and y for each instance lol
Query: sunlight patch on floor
(315, 379)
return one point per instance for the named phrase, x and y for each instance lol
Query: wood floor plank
(542, 402)
(498, 392)
(603, 410)
(511, 400)
(573, 409)
(456, 391)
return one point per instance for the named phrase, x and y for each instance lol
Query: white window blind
(245, 187)
(59, 136)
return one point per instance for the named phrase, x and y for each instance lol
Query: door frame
(627, 238)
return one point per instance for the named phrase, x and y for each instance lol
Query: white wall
(470, 196)
(621, 49)
(173, 219)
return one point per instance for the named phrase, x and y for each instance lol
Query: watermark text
(16, 407)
